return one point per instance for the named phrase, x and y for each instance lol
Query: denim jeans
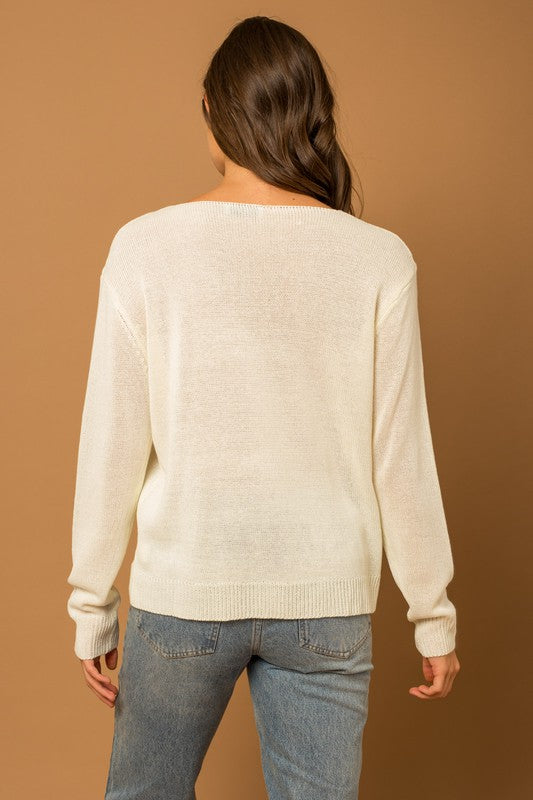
(309, 683)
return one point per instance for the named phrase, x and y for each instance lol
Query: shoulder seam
(398, 297)
(120, 311)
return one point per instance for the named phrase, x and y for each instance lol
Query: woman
(256, 399)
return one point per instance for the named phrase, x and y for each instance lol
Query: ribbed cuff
(435, 637)
(96, 635)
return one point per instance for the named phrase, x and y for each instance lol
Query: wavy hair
(271, 110)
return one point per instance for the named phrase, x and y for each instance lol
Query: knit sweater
(256, 404)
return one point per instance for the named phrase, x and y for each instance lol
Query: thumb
(111, 658)
(427, 669)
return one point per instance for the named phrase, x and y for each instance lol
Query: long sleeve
(114, 447)
(415, 535)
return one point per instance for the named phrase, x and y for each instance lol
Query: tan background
(102, 123)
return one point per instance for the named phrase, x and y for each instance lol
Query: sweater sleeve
(415, 535)
(114, 447)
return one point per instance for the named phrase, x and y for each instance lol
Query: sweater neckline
(274, 206)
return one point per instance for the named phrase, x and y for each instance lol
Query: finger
(452, 677)
(103, 679)
(438, 684)
(107, 694)
(108, 689)
(111, 659)
(427, 670)
(445, 687)
(92, 669)
(430, 692)
(415, 692)
(444, 681)
(105, 700)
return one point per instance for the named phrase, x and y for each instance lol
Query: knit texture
(256, 403)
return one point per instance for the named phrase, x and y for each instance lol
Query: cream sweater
(256, 401)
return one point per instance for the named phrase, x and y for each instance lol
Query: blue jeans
(309, 682)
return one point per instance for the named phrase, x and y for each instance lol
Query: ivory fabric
(256, 404)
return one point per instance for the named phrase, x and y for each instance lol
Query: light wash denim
(309, 683)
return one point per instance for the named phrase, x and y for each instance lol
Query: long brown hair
(271, 110)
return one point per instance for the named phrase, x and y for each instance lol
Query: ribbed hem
(253, 599)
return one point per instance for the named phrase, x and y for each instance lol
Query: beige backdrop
(102, 123)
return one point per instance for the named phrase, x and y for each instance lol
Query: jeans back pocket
(176, 637)
(338, 637)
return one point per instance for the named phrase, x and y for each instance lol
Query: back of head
(271, 110)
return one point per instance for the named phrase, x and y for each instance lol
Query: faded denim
(309, 683)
